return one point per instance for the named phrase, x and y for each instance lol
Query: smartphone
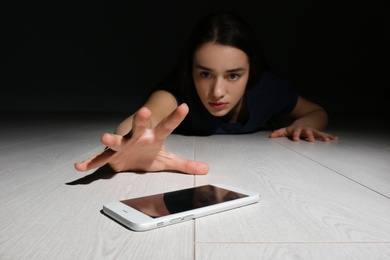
(163, 209)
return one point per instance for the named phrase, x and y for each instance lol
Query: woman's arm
(310, 119)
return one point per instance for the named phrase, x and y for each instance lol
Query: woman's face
(220, 75)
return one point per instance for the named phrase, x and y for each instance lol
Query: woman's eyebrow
(235, 70)
(231, 70)
(203, 67)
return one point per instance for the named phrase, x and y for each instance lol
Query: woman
(219, 87)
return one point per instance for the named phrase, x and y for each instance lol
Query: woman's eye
(205, 75)
(234, 76)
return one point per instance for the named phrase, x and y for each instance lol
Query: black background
(96, 55)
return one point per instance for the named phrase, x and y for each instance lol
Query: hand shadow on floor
(104, 172)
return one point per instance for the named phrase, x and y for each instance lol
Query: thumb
(94, 161)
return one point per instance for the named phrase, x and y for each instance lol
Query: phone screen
(182, 200)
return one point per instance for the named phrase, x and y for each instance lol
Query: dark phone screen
(182, 200)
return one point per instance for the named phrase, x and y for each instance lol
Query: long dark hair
(225, 28)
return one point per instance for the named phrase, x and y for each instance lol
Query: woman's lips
(218, 105)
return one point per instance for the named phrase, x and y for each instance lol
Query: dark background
(106, 55)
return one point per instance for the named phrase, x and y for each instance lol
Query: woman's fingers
(297, 134)
(310, 136)
(326, 137)
(141, 122)
(94, 162)
(168, 124)
(279, 133)
(113, 141)
(143, 148)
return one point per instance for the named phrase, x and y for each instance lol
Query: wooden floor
(318, 200)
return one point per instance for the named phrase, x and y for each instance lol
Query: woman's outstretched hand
(142, 149)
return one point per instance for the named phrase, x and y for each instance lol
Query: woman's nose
(219, 90)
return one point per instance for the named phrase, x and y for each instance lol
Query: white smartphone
(163, 209)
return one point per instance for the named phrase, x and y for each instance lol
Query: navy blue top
(270, 97)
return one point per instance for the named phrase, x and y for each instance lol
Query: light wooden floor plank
(301, 200)
(339, 251)
(362, 154)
